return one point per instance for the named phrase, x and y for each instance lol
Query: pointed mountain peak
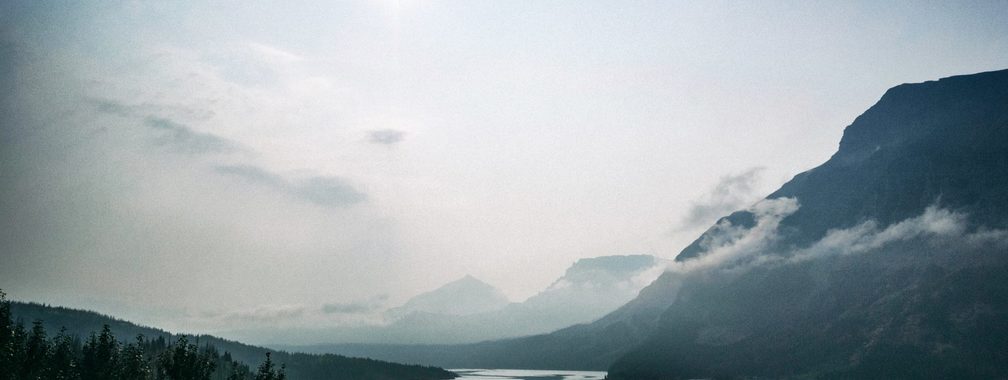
(467, 295)
(467, 282)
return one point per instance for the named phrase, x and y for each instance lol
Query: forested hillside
(40, 340)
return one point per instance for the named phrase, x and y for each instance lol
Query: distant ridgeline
(469, 310)
(890, 260)
(89, 345)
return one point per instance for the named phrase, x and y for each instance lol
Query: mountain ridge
(876, 135)
(890, 221)
(899, 304)
(589, 288)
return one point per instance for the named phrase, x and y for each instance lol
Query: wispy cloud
(274, 53)
(386, 136)
(320, 190)
(183, 139)
(255, 174)
(935, 223)
(146, 109)
(260, 314)
(732, 192)
(739, 248)
(356, 307)
(731, 245)
(114, 108)
(172, 134)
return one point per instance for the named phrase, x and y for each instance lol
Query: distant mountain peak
(468, 278)
(466, 282)
(467, 295)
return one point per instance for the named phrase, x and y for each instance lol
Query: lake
(526, 374)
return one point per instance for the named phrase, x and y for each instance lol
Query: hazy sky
(193, 166)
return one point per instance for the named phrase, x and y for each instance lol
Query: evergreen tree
(134, 362)
(229, 369)
(19, 344)
(33, 364)
(19, 347)
(266, 371)
(28, 355)
(6, 339)
(183, 361)
(63, 360)
(236, 373)
(100, 357)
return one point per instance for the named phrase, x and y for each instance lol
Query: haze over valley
(466, 189)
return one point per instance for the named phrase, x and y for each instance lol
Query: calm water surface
(526, 374)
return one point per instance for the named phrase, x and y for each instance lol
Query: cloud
(146, 109)
(173, 134)
(113, 108)
(356, 307)
(737, 246)
(347, 308)
(386, 136)
(271, 316)
(183, 139)
(260, 314)
(320, 190)
(732, 192)
(273, 53)
(254, 174)
(734, 248)
(934, 223)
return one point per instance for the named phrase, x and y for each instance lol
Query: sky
(199, 166)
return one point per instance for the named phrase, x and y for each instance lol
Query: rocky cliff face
(891, 264)
(940, 142)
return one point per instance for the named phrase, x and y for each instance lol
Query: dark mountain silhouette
(920, 306)
(890, 260)
(939, 141)
(299, 365)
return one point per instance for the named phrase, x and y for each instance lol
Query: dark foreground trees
(31, 355)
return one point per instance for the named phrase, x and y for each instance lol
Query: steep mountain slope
(299, 365)
(891, 263)
(940, 141)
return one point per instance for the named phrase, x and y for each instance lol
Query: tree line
(30, 354)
